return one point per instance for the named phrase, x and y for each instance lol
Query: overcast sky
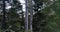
(23, 3)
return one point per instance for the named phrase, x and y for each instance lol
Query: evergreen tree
(13, 20)
(39, 19)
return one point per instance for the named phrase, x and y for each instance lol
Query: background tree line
(46, 16)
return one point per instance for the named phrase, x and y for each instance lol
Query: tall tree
(26, 16)
(12, 16)
(14, 19)
(53, 17)
(39, 17)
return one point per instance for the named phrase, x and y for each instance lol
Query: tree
(39, 19)
(53, 17)
(13, 18)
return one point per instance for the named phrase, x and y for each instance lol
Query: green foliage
(13, 21)
(53, 20)
(39, 22)
(46, 21)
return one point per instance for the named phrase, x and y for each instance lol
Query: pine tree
(39, 17)
(12, 16)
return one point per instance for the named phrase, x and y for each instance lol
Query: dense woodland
(46, 16)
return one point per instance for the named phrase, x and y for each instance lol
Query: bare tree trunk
(26, 16)
(31, 14)
(29, 9)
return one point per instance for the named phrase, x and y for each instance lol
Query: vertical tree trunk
(29, 9)
(4, 18)
(26, 16)
(31, 14)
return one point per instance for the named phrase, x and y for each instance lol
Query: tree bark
(30, 9)
(26, 16)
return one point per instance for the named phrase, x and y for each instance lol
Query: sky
(23, 4)
(22, 1)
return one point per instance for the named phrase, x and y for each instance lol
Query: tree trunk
(4, 14)
(30, 8)
(26, 16)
